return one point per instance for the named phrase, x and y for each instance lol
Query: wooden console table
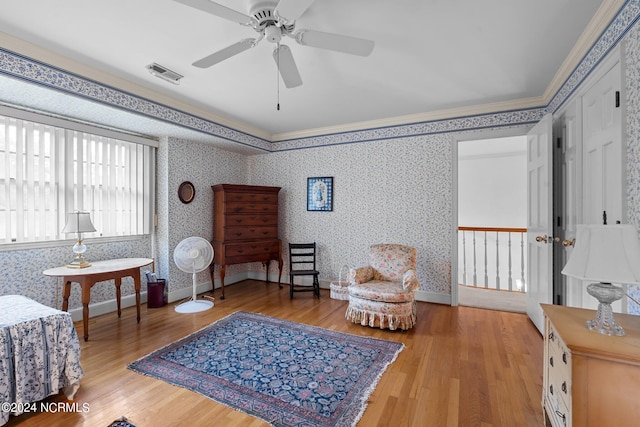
(99, 271)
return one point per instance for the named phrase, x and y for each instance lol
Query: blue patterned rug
(285, 373)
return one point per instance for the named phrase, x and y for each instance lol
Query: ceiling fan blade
(218, 10)
(225, 53)
(337, 42)
(290, 10)
(287, 66)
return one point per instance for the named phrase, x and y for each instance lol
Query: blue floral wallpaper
(21, 271)
(392, 191)
(632, 66)
(203, 166)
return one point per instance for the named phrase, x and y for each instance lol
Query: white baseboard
(434, 297)
(110, 306)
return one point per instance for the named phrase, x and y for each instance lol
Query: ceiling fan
(273, 19)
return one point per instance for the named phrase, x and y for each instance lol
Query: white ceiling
(429, 55)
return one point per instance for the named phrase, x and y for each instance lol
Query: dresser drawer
(251, 252)
(268, 198)
(250, 233)
(235, 220)
(557, 381)
(240, 207)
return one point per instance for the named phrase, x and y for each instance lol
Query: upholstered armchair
(382, 293)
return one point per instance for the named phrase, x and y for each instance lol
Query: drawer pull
(240, 251)
(253, 230)
(238, 234)
(564, 357)
(564, 387)
(551, 336)
(551, 361)
(551, 389)
(563, 416)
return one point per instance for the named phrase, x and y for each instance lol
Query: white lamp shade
(78, 222)
(605, 253)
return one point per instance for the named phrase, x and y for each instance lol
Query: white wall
(492, 182)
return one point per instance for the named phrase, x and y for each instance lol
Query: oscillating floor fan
(193, 255)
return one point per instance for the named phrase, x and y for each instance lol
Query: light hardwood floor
(461, 366)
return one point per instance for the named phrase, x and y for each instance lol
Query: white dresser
(589, 379)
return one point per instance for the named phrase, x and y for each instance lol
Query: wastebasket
(155, 293)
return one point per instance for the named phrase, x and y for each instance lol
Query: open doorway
(492, 218)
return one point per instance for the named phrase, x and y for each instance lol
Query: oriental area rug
(285, 373)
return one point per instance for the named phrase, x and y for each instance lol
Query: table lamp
(78, 222)
(605, 254)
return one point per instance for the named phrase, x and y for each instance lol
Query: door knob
(543, 239)
(566, 243)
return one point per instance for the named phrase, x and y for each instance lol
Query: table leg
(66, 292)
(136, 286)
(222, 268)
(280, 272)
(86, 297)
(266, 267)
(118, 283)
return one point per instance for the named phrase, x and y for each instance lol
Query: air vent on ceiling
(164, 73)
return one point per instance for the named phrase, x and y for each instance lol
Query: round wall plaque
(186, 192)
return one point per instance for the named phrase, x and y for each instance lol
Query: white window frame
(115, 168)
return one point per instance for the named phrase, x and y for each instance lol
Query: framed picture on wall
(320, 193)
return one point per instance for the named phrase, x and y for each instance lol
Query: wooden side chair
(302, 262)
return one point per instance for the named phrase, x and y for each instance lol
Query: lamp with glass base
(605, 254)
(79, 222)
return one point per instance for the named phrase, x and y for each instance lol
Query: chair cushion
(380, 290)
(391, 261)
(360, 275)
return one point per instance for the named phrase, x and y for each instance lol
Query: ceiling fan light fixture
(273, 34)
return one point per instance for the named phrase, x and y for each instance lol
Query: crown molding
(476, 110)
(598, 24)
(37, 53)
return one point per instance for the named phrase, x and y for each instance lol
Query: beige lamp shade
(79, 222)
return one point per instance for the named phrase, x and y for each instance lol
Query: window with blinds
(47, 171)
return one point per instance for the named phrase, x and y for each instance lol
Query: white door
(539, 219)
(567, 195)
(604, 178)
(603, 172)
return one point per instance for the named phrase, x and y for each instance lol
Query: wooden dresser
(245, 227)
(590, 379)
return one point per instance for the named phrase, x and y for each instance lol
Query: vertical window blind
(47, 171)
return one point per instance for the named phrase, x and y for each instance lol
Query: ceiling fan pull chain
(278, 79)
